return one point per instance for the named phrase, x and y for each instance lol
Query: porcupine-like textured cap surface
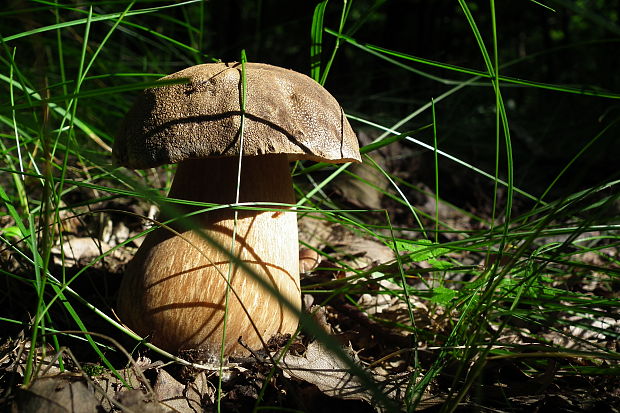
(285, 112)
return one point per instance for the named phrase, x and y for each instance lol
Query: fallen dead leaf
(136, 401)
(75, 249)
(182, 398)
(57, 394)
(325, 370)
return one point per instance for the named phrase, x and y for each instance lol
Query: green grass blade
(343, 18)
(96, 18)
(316, 36)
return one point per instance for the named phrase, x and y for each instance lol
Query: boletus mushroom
(174, 289)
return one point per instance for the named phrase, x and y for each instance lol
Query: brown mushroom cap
(286, 112)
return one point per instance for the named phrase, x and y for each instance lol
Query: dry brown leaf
(325, 370)
(168, 395)
(182, 398)
(137, 401)
(79, 248)
(56, 394)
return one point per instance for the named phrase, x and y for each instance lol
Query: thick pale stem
(174, 288)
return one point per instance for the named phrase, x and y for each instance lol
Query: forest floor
(306, 375)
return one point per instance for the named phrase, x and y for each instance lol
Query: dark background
(575, 44)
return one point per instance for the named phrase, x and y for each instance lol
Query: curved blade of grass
(346, 6)
(381, 52)
(574, 159)
(400, 192)
(95, 18)
(436, 165)
(445, 155)
(17, 179)
(508, 79)
(316, 37)
(385, 57)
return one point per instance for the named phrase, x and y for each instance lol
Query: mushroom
(174, 289)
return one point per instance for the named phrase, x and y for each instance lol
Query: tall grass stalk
(231, 266)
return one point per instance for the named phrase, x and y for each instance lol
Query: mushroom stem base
(174, 290)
